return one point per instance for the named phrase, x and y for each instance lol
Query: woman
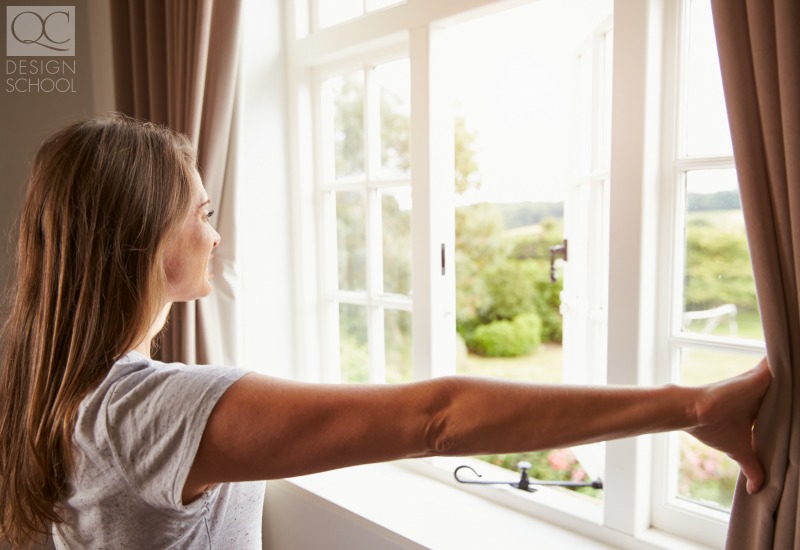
(117, 450)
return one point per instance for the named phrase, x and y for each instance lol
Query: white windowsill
(426, 510)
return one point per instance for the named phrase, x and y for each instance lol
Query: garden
(509, 324)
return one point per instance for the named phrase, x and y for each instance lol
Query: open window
(443, 148)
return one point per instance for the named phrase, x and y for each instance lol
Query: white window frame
(637, 208)
(373, 298)
(670, 513)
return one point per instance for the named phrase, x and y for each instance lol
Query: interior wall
(265, 237)
(29, 115)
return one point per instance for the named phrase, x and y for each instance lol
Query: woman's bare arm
(266, 428)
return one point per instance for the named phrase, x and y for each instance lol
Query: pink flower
(560, 460)
(578, 474)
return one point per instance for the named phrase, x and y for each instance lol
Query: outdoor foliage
(503, 338)
(502, 274)
(706, 475)
(718, 269)
(506, 304)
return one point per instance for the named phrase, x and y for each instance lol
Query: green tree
(348, 123)
(479, 245)
(468, 175)
(718, 269)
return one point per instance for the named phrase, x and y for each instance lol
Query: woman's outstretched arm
(266, 428)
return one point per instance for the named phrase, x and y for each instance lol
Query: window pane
(393, 80)
(706, 128)
(396, 214)
(346, 93)
(706, 476)
(354, 350)
(331, 12)
(351, 240)
(397, 330)
(719, 291)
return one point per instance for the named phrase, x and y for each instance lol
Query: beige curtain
(759, 49)
(176, 63)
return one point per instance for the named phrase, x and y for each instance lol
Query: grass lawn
(544, 365)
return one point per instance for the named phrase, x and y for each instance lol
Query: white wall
(265, 240)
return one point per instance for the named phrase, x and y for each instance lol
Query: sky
(514, 75)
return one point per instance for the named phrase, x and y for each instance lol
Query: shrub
(510, 288)
(503, 338)
(547, 298)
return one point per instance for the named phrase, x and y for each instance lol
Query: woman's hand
(726, 412)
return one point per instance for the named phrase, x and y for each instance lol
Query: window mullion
(433, 222)
(377, 353)
(632, 270)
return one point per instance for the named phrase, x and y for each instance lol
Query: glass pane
(706, 476)
(347, 97)
(397, 330)
(719, 291)
(353, 346)
(396, 214)
(351, 240)
(393, 80)
(706, 129)
(331, 12)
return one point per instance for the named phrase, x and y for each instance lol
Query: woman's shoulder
(137, 385)
(144, 422)
(134, 369)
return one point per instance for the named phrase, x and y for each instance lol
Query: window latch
(525, 482)
(555, 252)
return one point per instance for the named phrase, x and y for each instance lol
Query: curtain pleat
(759, 50)
(166, 71)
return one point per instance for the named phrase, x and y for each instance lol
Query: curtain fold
(166, 71)
(759, 50)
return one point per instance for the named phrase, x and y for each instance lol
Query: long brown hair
(103, 197)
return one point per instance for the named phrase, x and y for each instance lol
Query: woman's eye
(209, 214)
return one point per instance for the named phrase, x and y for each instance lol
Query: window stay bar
(524, 483)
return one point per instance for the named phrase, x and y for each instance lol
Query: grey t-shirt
(136, 437)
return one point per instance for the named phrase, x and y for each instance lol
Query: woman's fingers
(726, 415)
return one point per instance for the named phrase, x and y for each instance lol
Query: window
(656, 287)
(714, 329)
(365, 191)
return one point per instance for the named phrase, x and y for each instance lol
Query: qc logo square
(40, 31)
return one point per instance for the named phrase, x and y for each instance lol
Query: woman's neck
(143, 347)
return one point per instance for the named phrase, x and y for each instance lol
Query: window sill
(413, 505)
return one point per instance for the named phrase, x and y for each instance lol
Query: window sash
(670, 513)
